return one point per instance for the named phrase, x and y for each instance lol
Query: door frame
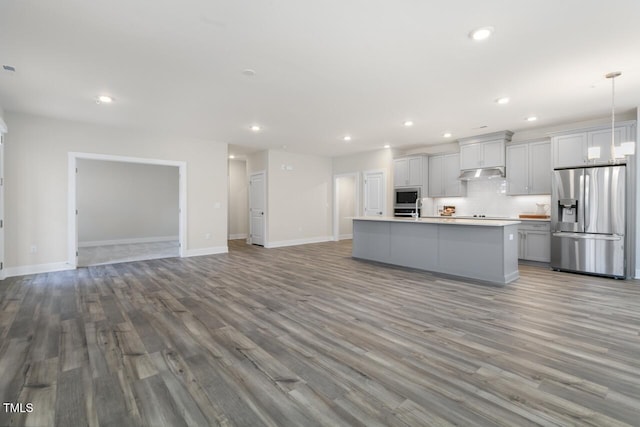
(72, 203)
(384, 189)
(266, 200)
(336, 204)
(3, 267)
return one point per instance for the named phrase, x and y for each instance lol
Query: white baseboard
(297, 242)
(345, 236)
(214, 250)
(238, 236)
(91, 243)
(25, 270)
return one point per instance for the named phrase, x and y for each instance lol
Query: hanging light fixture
(625, 148)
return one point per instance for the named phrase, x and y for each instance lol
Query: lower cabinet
(534, 241)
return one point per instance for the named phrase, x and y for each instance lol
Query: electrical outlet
(207, 236)
(33, 249)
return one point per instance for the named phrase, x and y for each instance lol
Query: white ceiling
(323, 68)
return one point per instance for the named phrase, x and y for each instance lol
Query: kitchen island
(486, 251)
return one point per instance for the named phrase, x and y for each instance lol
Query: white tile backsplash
(487, 197)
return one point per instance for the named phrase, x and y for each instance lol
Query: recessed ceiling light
(104, 99)
(284, 147)
(408, 123)
(347, 138)
(249, 72)
(531, 118)
(447, 135)
(255, 128)
(231, 156)
(481, 33)
(503, 100)
(387, 146)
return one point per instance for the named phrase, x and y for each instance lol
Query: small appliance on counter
(448, 211)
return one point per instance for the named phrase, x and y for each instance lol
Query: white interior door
(374, 193)
(257, 208)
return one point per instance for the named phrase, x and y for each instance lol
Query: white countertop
(492, 218)
(442, 220)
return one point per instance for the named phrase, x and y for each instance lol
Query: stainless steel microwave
(406, 197)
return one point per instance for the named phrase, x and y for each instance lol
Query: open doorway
(346, 196)
(125, 209)
(238, 218)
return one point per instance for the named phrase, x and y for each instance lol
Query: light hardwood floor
(306, 336)
(111, 254)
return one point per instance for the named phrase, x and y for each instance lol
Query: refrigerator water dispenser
(568, 210)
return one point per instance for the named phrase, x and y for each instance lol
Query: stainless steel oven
(404, 201)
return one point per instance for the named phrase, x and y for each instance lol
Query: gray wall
(126, 201)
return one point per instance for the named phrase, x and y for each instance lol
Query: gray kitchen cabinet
(482, 155)
(408, 172)
(483, 151)
(518, 169)
(444, 170)
(602, 138)
(529, 168)
(540, 167)
(470, 156)
(534, 241)
(571, 148)
(436, 186)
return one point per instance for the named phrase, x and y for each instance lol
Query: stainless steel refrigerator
(588, 220)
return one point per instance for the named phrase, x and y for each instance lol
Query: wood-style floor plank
(308, 336)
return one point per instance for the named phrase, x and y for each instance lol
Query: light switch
(510, 236)
(218, 205)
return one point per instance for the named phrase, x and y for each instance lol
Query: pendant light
(625, 148)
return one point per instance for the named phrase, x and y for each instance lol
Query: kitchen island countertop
(491, 218)
(443, 220)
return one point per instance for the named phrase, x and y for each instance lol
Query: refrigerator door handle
(615, 237)
(586, 205)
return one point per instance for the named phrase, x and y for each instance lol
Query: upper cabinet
(484, 151)
(571, 148)
(409, 171)
(529, 168)
(444, 170)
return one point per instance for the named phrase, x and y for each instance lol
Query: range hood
(484, 173)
